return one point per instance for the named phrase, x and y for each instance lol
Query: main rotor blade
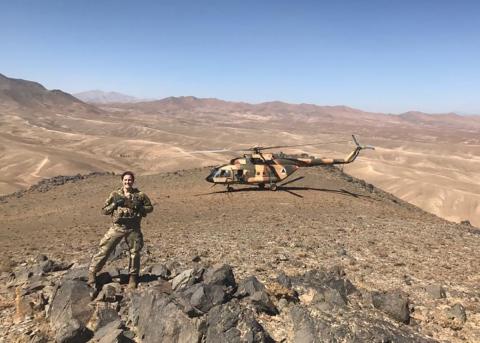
(295, 145)
(290, 192)
(208, 151)
(294, 180)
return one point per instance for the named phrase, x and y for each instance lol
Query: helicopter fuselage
(258, 169)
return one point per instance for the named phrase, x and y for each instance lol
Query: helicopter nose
(209, 178)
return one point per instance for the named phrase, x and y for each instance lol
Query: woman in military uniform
(127, 206)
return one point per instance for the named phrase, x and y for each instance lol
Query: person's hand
(119, 202)
(137, 204)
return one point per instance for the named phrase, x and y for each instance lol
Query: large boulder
(454, 317)
(232, 323)
(187, 278)
(70, 311)
(72, 331)
(221, 275)
(256, 294)
(319, 280)
(394, 304)
(349, 328)
(159, 319)
(200, 298)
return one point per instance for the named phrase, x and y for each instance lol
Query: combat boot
(133, 281)
(92, 279)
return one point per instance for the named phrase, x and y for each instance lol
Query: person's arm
(110, 204)
(147, 205)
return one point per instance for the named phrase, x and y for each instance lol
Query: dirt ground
(324, 219)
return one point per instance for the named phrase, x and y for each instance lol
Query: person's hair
(128, 173)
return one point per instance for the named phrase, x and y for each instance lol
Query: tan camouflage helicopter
(261, 168)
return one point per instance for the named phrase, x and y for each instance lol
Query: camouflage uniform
(127, 213)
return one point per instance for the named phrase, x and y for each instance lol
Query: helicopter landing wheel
(261, 186)
(273, 187)
(229, 189)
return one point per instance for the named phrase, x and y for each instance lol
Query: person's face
(127, 181)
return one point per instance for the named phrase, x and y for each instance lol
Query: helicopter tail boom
(348, 159)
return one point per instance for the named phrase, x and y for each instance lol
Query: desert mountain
(329, 258)
(23, 94)
(101, 97)
(429, 160)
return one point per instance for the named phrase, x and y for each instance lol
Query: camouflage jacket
(129, 210)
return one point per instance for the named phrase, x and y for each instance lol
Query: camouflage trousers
(134, 240)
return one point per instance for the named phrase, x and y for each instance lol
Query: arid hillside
(373, 245)
(429, 160)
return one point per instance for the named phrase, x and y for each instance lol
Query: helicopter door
(240, 175)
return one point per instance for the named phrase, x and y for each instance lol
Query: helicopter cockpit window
(223, 173)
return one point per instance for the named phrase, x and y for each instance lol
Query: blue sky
(384, 56)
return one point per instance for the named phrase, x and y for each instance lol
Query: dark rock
(105, 314)
(161, 320)
(457, 316)
(332, 288)
(257, 295)
(184, 279)
(32, 287)
(408, 280)
(41, 258)
(72, 331)
(111, 332)
(134, 308)
(162, 286)
(174, 267)
(161, 271)
(45, 265)
(114, 272)
(200, 298)
(262, 303)
(284, 280)
(221, 275)
(103, 279)
(22, 274)
(249, 286)
(304, 327)
(196, 258)
(232, 323)
(394, 304)
(129, 335)
(111, 292)
(76, 274)
(436, 291)
(70, 311)
(329, 299)
(350, 327)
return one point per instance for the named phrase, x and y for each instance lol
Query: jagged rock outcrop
(206, 304)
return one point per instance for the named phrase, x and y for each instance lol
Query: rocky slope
(325, 258)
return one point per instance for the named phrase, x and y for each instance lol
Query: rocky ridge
(203, 304)
(339, 261)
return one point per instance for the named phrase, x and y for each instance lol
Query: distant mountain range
(429, 160)
(18, 93)
(101, 97)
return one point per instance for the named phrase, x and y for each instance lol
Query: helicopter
(261, 168)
